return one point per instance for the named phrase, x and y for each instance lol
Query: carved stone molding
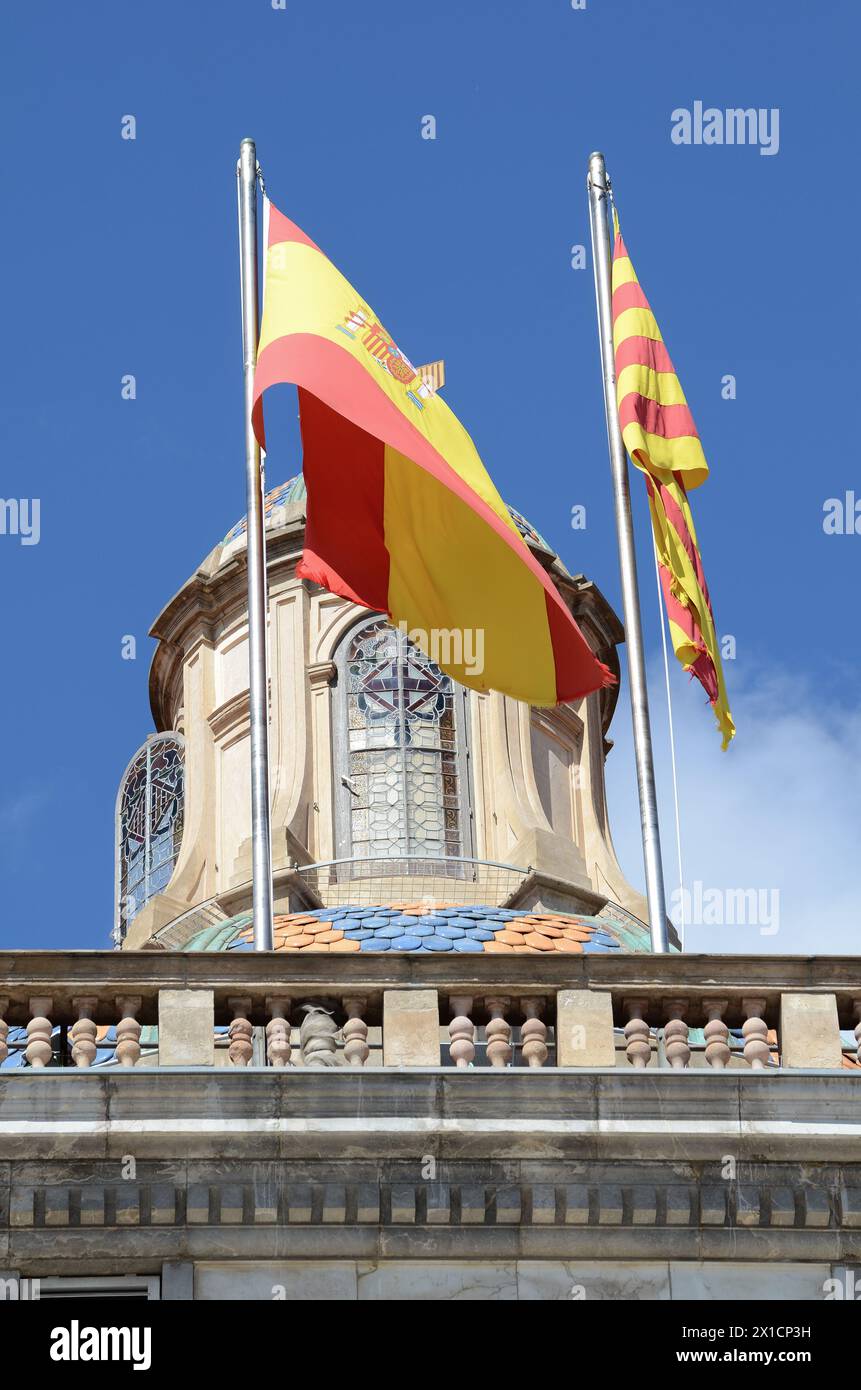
(322, 673)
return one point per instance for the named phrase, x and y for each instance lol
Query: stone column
(38, 1050)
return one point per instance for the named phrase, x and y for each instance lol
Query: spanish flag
(401, 515)
(661, 437)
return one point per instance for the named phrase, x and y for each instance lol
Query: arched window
(149, 825)
(401, 772)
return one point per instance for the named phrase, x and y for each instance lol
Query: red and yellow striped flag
(401, 514)
(661, 437)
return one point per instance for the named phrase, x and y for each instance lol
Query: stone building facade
(460, 1074)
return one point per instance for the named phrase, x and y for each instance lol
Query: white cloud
(780, 811)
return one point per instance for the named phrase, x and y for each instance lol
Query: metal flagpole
(261, 836)
(599, 189)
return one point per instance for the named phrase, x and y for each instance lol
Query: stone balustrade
(83, 1009)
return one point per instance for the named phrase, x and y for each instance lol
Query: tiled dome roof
(294, 491)
(414, 927)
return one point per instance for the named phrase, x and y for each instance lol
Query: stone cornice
(596, 1114)
(231, 716)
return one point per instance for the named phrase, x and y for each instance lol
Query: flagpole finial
(598, 171)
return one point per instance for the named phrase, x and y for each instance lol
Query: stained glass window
(149, 825)
(402, 779)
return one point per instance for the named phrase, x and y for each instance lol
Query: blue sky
(121, 257)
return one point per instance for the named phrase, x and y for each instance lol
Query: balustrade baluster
(755, 1032)
(83, 1031)
(38, 1049)
(498, 1033)
(716, 1033)
(461, 1031)
(355, 1032)
(533, 1034)
(4, 1029)
(638, 1035)
(676, 1048)
(128, 1048)
(278, 1047)
(240, 1033)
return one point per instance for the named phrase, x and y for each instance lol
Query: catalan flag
(662, 440)
(401, 515)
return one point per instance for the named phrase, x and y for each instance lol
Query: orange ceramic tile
(497, 947)
(317, 928)
(344, 945)
(541, 943)
(563, 944)
(511, 938)
(328, 937)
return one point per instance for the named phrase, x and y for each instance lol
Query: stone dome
(294, 491)
(502, 842)
(417, 928)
